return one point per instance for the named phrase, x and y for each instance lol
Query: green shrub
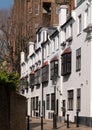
(9, 80)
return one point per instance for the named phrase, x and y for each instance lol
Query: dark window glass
(70, 100)
(52, 101)
(31, 80)
(78, 59)
(37, 76)
(36, 103)
(78, 99)
(45, 73)
(66, 64)
(33, 103)
(48, 101)
(54, 69)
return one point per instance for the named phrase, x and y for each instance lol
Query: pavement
(35, 124)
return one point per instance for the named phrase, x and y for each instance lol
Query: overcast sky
(5, 4)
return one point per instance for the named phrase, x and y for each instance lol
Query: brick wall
(13, 116)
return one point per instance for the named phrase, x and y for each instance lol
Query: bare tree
(5, 47)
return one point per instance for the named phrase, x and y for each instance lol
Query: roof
(66, 51)
(45, 63)
(54, 34)
(55, 58)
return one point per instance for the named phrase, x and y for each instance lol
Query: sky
(5, 4)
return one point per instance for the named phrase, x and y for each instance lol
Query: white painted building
(63, 52)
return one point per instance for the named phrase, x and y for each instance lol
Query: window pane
(45, 73)
(36, 7)
(70, 100)
(48, 101)
(78, 99)
(54, 68)
(78, 59)
(36, 103)
(66, 64)
(52, 101)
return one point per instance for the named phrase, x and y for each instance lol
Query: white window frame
(36, 9)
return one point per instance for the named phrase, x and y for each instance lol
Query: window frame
(70, 100)
(78, 59)
(52, 101)
(32, 78)
(37, 76)
(54, 66)
(36, 9)
(66, 64)
(47, 101)
(78, 99)
(37, 101)
(45, 73)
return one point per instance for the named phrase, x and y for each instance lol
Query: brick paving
(48, 125)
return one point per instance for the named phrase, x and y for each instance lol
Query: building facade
(58, 70)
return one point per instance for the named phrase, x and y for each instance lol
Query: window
(78, 99)
(39, 36)
(37, 76)
(36, 103)
(79, 24)
(30, 10)
(31, 80)
(70, 100)
(33, 103)
(45, 73)
(36, 8)
(52, 101)
(48, 101)
(78, 59)
(66, 64)
(54, 68)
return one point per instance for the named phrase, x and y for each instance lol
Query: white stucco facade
(73, 39)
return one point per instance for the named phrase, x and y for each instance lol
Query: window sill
(70, 109)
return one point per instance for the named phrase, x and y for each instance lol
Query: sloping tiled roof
(45, 63)
(55, 58)
(67, 50)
